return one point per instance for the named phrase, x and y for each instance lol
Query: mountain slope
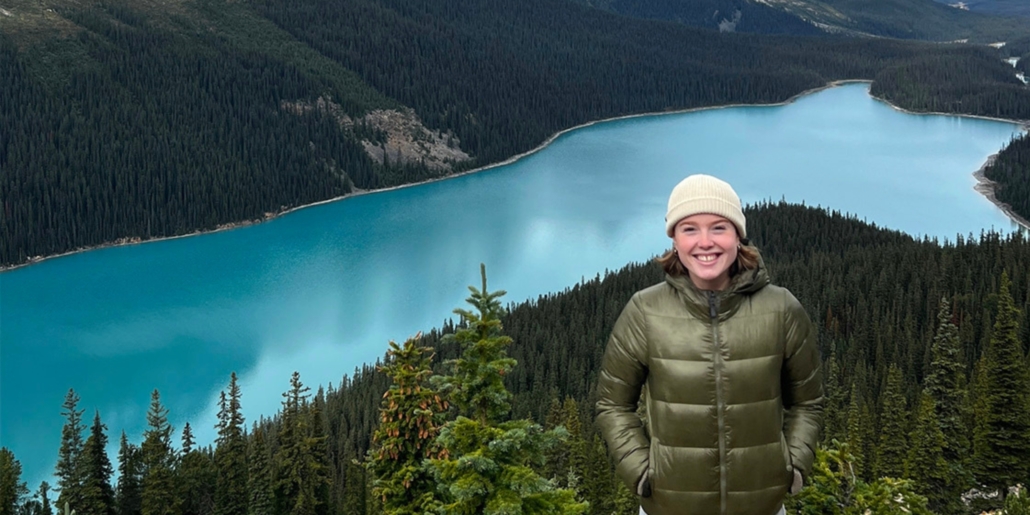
(996, 7)
(905, 19)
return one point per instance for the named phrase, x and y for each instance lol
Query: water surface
(322, 290)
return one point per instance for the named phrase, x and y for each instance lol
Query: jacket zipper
(713, 312)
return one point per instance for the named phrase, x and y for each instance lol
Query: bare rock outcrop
(401, 138)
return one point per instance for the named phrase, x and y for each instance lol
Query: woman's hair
(747, 259)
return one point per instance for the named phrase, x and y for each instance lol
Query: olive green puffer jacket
(734, 395)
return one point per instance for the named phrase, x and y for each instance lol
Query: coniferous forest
(136, 120)
(927, 380)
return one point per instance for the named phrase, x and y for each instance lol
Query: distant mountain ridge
(998, 7)
(905, 19)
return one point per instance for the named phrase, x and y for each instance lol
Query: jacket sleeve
(802, 387)
(623, 372)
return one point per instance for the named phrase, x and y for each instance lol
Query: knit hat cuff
(710, 205)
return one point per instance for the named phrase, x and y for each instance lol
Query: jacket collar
(742, 285)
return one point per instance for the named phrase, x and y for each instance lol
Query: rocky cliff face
(401, 138)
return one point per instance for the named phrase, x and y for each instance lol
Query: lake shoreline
(984, 186)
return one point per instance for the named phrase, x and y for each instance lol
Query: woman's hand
(795, 487)
(644, 486)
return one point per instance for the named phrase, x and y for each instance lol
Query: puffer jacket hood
(734, 395)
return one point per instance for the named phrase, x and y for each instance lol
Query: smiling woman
(734, 392)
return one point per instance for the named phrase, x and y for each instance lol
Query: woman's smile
(707, 247)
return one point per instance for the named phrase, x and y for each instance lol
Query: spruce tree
(577, 447)
(410, 416)
(856, 435)
(836, 412)
(599, 483)
(44, 499)
(197, 477)
(97, 496)
(301, 472)
(555, 465)
(925, 464)
(12, 489)
(231, 454)
(946, 385)
(319, 449)
(159, 489)
(1001, 441)
(890, 454)
(260, 477)
(129, 493)
(487, 468)
(68, 473)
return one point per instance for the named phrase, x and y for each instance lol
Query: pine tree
(487, 466)
(97, 496)
(925, 464)
(44, 499)
(319, 449)
(945, 383)
(558, 456)
(68, 473)
(129, 494)
(623, 501)
(1001, 440)
(856, 435)
(410, 414)
(599, 482)
(159, 492)
(573, 476)
(835, 416)
(890, 455)
(231, 454)
(197, 477)
(12, 489)
(260, 477)
(834, 489)
(301, 473)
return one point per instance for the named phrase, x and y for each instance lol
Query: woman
(734, 391)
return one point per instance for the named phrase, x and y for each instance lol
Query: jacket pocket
(788, 466)
(652, 463)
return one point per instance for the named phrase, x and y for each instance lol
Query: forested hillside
(134, 120)
(906, 19)
(918, 337)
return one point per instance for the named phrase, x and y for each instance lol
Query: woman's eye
(719, 228)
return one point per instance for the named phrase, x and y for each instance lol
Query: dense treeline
(920, 338)
(141, 123)
(1011, 173)
(961, 79)
(926, 20)
(158, 138)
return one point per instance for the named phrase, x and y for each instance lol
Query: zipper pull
(713, 302)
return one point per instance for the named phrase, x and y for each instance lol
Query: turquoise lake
(323, 289)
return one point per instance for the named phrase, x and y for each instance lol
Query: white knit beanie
(704, 194)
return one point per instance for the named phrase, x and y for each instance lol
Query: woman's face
(707, 247)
